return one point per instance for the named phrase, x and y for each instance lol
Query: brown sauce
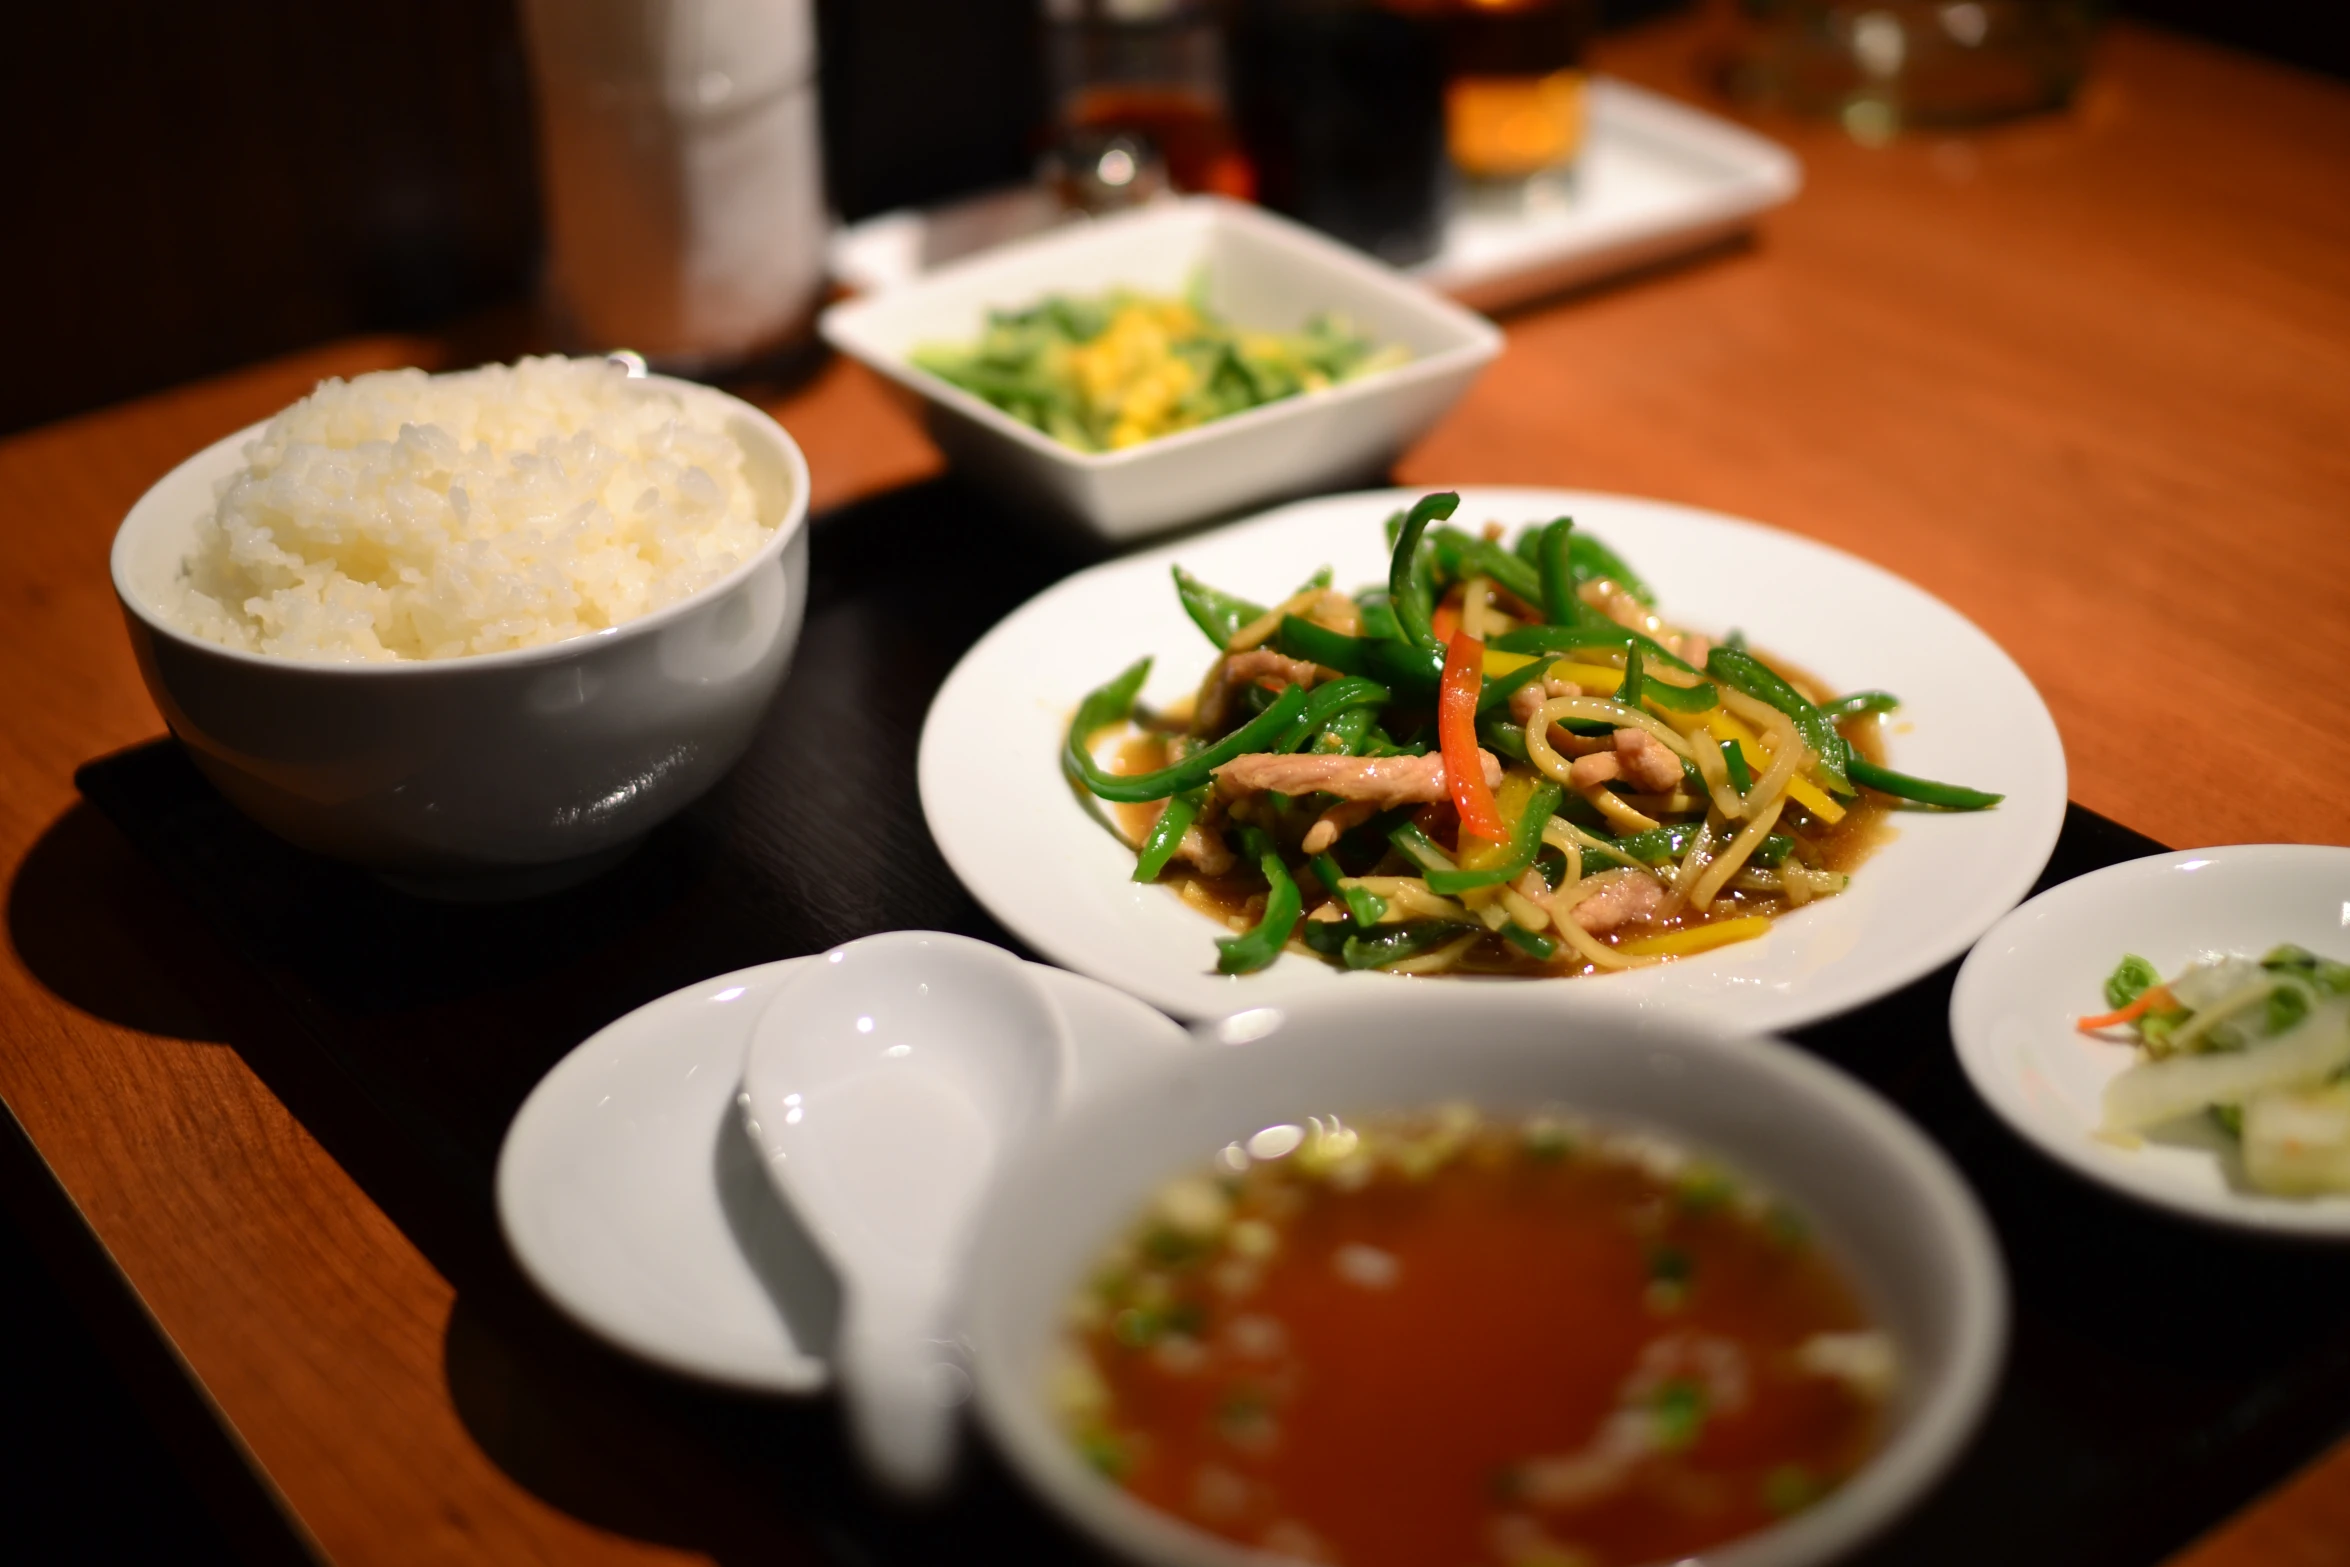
(1442, 1341)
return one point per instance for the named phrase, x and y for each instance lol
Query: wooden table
(2087, 379)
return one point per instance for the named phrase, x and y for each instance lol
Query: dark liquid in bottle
(1341, 108)
(1517, 37)
(1188, 126)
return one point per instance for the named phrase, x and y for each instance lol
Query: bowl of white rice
(477, 632)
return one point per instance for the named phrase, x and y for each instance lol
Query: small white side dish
(1260, 271)
(2044, 966)
(496, 775)
(884, 1082)
(1884, 1200)
(635, 1201)
(1029, 848)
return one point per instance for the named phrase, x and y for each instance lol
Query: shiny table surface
(2084, 378)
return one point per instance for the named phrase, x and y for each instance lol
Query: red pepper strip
(2152, 999)
(1446, 620)
(1456, 736)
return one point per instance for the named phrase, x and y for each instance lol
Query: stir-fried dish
(1451, 1339)
(2262, 1046)
(1501, 760)
(1114, 370)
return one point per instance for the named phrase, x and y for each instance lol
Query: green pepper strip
(1394, 943)
(1406, 666)
(1328, 937)
(1554, 560)
(1744, 672)
(1346, 734)
(1460, 555)
(1858, 704)
(1504, 739)
(1407, 591)
(1166, 834)
(1525, 842)
(1574, 639)
(1741, 775)
(1556, 575)
(1380, 743)
(1681, 699)
(1951, 797)
(1535, 945)
(1283, 904)
(1362, 904)
(1326, 703)
(1418, 847)
(1214, 611)
(1594, 560)
(1658, 844)
(1115, 700)
(1498, 690)
(1378, 616)
(1629, 689)
(1110, 704)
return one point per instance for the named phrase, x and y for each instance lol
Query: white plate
(634, 1201)
(1027, 847)
(2045, 965)
(1657, 178)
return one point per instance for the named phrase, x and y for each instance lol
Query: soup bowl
(1883, 1201)
(497, 774)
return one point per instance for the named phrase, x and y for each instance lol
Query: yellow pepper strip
(1725, 726)
(1697, 938)
(1595, 679)
(1510, 802)
(1814, 799)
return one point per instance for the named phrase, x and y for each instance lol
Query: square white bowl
(1260, 271)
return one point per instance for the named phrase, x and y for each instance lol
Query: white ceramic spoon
(883, 1082)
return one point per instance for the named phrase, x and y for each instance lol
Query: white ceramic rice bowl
(496, 774)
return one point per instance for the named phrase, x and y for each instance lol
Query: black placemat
(2161, 1372)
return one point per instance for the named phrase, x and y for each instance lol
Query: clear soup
(1443, 1339)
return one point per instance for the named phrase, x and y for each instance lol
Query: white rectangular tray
(1656, 179)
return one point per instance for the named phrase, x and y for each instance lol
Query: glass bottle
(1341, 107)
(1514, 93)
(1147, 69)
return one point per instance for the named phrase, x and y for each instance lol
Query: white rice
(406, 516)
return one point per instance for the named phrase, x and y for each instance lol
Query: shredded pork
(1382, 780)
(1639, 758)
(1625, 897)
(1257, 665)
(1345, 816)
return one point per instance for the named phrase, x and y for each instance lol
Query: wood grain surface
(2088, 379)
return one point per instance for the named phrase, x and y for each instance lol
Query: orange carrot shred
(2153, 997)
